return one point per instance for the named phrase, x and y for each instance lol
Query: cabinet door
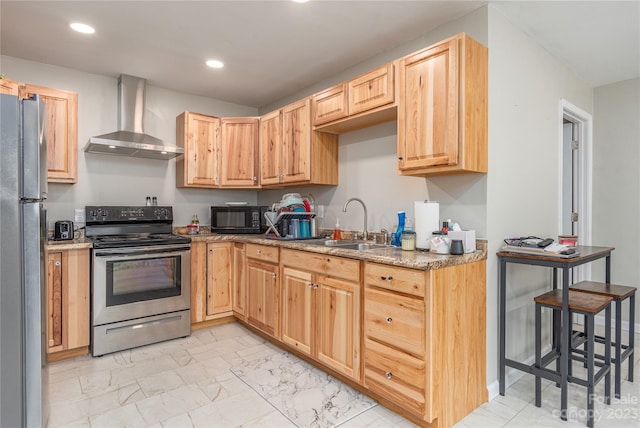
(54, 302)
(239, 152)
(329, 105)
(239, 280)
(296, 163)
(371, 90)
(338, 325)
(8, 86)
(199, 135)
(428, 108)
(271, 148)
(298, 326)
(67, 297)
(263, 296)
(61, 131)
(219, 261)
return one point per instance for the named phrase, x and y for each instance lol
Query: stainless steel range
(140, 277)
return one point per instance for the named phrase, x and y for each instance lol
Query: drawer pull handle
(258, 251)
(389, 375)
(57, 263)
(386, 278)
(389, 319)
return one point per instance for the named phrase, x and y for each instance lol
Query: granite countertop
(74, 244)
(422, 260)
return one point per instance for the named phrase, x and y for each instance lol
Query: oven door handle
(140, 251)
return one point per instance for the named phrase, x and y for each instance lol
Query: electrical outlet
(79, 216)
(320, 213)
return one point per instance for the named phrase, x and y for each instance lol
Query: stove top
(123, 226)
(137, 240)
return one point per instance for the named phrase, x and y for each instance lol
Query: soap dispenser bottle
(337, 235)
(396, 238)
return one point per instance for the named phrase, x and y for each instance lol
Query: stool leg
(586, 342)
(570, 368)
(618, 347)
(632, 310)
(590, 369)
(557, 324)
(538, 351)
(607, 355)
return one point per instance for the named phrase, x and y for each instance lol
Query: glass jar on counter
(408, 240)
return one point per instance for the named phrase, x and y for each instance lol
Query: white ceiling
(273, 49)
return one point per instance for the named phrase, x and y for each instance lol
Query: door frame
(584, 122)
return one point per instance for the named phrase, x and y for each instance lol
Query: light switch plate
(320, 213)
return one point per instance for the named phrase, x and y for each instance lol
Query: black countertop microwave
(238, 219)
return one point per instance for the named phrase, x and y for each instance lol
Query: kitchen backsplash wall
(368, 170)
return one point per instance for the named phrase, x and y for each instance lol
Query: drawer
(395, 375)
(337, 267)
(410, 281)
(263, 252)
(396, 320)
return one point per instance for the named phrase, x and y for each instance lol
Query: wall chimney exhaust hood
(131, 140)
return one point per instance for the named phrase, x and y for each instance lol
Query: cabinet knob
(389, 319)
(386, 278)
(389, 375)
(211, 251)
(400, 158)
(57, 263)
(273, 275)
(258, 251)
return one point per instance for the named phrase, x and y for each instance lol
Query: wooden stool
(588, 305)
(619, 293)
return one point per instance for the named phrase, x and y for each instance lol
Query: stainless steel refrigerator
(23, 228)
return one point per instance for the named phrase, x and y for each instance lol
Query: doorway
(575, 217)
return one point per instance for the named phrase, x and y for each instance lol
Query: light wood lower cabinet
(424, 345)
(239, 297)
(211, 275)
(67, 300)
(263, 289)
(320, 312)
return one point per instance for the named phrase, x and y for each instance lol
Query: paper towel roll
(427, 219)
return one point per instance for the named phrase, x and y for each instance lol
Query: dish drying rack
(285, 215)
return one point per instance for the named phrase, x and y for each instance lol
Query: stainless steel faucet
(365, 233)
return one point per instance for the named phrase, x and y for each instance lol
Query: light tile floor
(187, 383)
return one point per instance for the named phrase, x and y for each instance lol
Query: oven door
(136, 282)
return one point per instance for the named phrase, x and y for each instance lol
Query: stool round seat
(578, 302)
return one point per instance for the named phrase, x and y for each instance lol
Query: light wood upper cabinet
(271, 148)
(291, 153)
(330, 104)
(239, 152)
(199, 136)
(8, 86)
(67, 298)
(442, 109)
(61, 131)
(371, 90)
(296, 142)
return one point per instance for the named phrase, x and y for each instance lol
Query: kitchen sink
(347, 244)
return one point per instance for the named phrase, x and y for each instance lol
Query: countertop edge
(422, 260)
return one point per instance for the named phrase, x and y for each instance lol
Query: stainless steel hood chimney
(131, 140)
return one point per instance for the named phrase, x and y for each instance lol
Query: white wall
(616, 180)
(526, 85)
(113, 180)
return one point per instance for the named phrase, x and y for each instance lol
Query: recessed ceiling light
(300, 1)
(82, 28)
(214, 63)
